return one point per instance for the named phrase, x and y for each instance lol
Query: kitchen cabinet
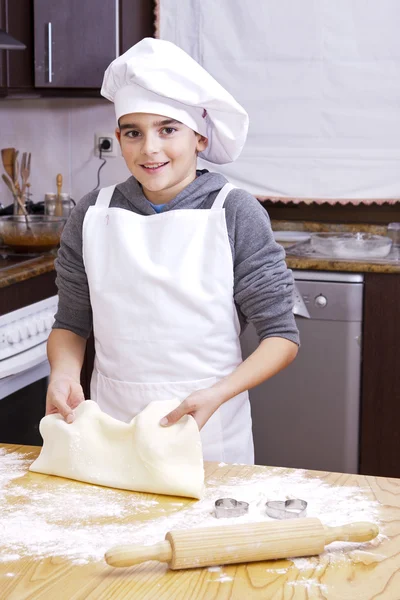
(28, 291)
(69, 43)
(380, 396)
(16, 66)
(75, 41)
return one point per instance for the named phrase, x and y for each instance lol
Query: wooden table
(371, 573)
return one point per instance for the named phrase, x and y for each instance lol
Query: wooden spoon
(7, 157)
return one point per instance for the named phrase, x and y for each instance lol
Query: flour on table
(81, 522)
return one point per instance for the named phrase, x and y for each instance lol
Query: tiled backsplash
(60, 135)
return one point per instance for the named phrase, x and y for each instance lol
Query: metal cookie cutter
(228, 507)
(289, 509)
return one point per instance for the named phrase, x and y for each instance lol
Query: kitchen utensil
(228, 507)
(286, 509)
(291, 236)
(7, 157)
(58, 207)
(25, 170)
(59, 181)
(10, 164)
(42, 235)
(351, 245)
(248, 542)
(16, 171)
(10, 184)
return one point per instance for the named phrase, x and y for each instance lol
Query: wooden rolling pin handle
(352, 532)
(125, 556)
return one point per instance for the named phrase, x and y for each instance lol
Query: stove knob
(32, 329)
(49, 321)
(3, 340)
(320, 301)
(13, 336)
(23, 331)
(40, 324)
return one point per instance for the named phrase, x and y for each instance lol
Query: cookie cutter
(286, 509)
(229, 507)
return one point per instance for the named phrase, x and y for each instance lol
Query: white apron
(164, 318)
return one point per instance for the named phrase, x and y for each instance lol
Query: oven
(24, 370)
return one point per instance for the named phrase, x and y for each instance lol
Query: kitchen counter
(295, 260)
(45, 263)
(353, 266)
(26, 270)
(54, 532)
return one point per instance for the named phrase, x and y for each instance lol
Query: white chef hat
(157, 77)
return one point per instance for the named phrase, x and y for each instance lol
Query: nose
(150, 144)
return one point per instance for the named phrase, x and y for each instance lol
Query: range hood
(8, 42)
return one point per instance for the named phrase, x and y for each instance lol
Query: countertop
(32, 268)
(54, 532)
(353, 266)
(45, 263)
(311, 263)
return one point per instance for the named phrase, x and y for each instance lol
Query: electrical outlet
(110, 152)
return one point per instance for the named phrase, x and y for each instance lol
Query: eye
(132, 133)
(168, 130)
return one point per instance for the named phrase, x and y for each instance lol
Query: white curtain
(320, 80)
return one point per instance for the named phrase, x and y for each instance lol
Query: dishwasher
(307, 416)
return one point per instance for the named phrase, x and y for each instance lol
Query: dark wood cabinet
(380, 396)
(69, 43)
(16, 66)
(27, 292)
(75, 41)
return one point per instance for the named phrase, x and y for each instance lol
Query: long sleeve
(263, 285)
(74, 310)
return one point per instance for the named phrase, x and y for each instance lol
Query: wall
(60, 135)
(320, 81)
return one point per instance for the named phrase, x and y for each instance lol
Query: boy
(169, 265)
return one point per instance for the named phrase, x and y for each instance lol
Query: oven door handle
(19, 363)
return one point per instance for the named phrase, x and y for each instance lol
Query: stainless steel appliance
(24, 370)
(307, 416)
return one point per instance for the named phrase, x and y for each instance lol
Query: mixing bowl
(351, 245)
(40, 234)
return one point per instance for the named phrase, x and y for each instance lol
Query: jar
(393, 231)
(58, 205)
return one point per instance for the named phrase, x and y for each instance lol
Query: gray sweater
(263, 286)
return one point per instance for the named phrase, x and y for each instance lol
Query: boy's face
(161, 153)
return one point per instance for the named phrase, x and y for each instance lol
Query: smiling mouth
(154, 167)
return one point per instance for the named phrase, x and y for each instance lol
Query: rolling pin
(248, 542)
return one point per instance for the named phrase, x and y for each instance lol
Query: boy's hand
(202, 404)
(63, 395)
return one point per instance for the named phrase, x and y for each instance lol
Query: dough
(141, 456)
